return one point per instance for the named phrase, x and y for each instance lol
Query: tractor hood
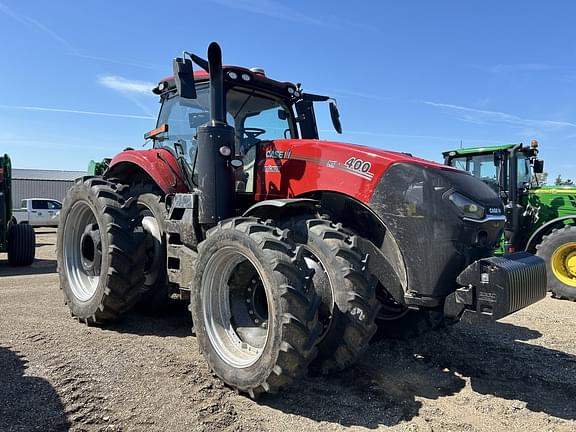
(554, 201)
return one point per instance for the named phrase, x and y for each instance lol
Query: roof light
(245, 77)
(290, 90)
(233, 75)
(258, 71)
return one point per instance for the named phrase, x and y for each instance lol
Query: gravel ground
(146, 373)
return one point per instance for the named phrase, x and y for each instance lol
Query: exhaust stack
(215, 149)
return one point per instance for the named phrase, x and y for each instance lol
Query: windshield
(254, 115)
(482, 166)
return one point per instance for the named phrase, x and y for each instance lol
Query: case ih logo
(494, 210)
(278, 154)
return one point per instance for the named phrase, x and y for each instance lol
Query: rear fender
(545, 229)
(158, 164)
(275, 208)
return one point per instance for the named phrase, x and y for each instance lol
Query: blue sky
(416, 76)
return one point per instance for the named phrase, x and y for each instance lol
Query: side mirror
(335, 115)
(538, 166)
(282, 115)
(184, 77)
(498, 157)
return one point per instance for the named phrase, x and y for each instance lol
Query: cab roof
(477, 150)
(233, 74)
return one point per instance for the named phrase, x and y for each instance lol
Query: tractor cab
(257, 108)
(496, 165)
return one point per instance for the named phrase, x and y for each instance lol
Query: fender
(275, 207)
(384, 263)
(544, 229)
(158, 164)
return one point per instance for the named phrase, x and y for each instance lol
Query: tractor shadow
(39, 266)
(172, 320)
(384, 388)
(27, 402)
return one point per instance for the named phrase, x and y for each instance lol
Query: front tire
(558, 249)
(347, 290)
(21, 244)
(100, 258)
(255, 321)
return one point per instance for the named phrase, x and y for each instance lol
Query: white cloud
(491, 117)
(72, 111)
(517, 67)
(26, 20)
(124, 85)
(271, 9)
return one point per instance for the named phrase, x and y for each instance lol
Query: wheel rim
(82, 251)
(235, 307)
(564, 263)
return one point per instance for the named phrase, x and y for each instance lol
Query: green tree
(560, 182)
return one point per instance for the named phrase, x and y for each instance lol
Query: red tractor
(293, 252)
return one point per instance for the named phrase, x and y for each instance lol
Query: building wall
(33, 188)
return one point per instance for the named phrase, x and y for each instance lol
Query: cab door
(54, 208)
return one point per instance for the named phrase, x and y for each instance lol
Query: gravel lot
(146, 373)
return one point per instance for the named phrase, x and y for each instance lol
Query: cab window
(39, 205)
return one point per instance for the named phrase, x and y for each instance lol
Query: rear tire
(558, 249)
(152, 213)
(255, 321)
(100, 257)
(21, 244)
(347, 290)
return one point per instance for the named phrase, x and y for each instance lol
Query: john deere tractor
(291, 251)
(16, 239)
(539, 219)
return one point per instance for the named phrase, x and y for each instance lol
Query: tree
(560, 182)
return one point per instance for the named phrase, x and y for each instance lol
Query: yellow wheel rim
(564, 263)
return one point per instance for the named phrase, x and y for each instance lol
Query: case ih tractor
(540, 220)
(18, 240)
(290, 250)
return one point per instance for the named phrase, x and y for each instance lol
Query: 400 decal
(359, 166)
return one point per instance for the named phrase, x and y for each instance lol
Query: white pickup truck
(38, 212)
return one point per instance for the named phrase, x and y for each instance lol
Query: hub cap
(82, 250)
(235, 307)
(564, 263)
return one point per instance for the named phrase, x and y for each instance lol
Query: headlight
(468, 207)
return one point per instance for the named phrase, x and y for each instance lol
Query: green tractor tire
(558, 249)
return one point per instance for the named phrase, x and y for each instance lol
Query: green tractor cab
(539, 219)
(18, 240)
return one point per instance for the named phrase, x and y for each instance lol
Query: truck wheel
(558, 249)
(152, 214)
(100, 257)
(255, 320)
(349, 306)
(21, 244)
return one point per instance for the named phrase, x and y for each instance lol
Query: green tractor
(539, 219)
(18, 240)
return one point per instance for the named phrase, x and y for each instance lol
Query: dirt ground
(146, 373)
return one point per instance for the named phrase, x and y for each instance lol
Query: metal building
(36, 183)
